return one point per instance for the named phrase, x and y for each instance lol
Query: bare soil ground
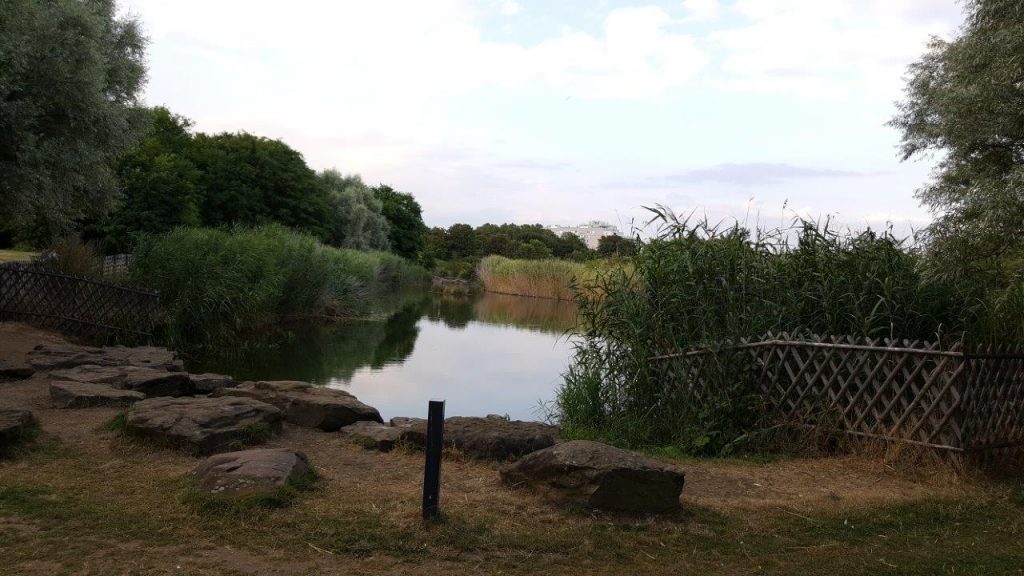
(87, 501)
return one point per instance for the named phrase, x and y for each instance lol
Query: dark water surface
(492, 354)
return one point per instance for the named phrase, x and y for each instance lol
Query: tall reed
(554, 279)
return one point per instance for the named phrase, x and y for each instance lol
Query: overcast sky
(559, 112)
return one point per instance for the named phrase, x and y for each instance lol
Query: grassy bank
(696, 285)
(216, 284)
(551, 278)
(15, 256)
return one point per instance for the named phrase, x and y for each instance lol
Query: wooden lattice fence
(968, 403)
(75, 305)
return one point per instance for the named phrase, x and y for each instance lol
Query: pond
(490, 354)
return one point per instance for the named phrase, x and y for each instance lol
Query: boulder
(259, 472)
(203, 425)
(55, 356)
(15, 425)
(306, 405)
(15, 371)
(600, 476)
(67, 394)
(209, 383)
(406, 422)
(374, 435)
(490, 438)
(152, 382)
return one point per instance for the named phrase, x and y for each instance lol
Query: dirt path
(105, 478)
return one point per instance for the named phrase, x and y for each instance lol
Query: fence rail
(904, 391)
(77, 305)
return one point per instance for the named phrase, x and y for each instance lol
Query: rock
(15, 425)
(406, 422)
(67, 394)
(306, 405)
(55, 356)
(374, 435)
(150, 381)
(491, 438)
(209, 383)
(259, 472)
(203, 425)
(601, 476)
(12, 371)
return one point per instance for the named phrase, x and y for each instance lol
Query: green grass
(16, 256)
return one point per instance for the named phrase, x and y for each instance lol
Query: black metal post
(432, 471)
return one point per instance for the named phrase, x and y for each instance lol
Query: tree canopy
(965, 101)
(405, 220)
(359, 221)
(70, 76)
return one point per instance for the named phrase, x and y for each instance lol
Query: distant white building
(591, 232)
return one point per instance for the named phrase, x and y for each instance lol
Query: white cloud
(510, 7)
(701, 10)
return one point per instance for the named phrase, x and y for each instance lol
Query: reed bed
(551, 278)
(216, 284)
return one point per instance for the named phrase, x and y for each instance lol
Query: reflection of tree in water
(319, 353)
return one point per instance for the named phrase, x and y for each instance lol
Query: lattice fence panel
(75, 305)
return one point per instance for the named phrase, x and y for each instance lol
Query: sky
(560, 112)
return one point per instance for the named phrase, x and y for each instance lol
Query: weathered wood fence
(75, 305)
(962, 402)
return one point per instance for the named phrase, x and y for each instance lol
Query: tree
(462, 241)
(965, 100)
(248, 179)
(160, 184)
(359, 222)
(70, 75)
(616, 245)
(405, 221)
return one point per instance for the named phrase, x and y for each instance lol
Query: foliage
(160, 184)
(217, 284)
(405, 221)
(359, 222)
(461, 243)
(615, 245)
(698, 285)
(71, 256)
(70, 75)
(248, 180)
(965, 100)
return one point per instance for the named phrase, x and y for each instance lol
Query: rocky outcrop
(15, 371)
(16, 425)
(56, 356)
(203, 425)
(306, 405)
(151, 382)
(491, 438)
(68, 394)
(209, 383)
(600, 476)
(374, 435)
(252, 473)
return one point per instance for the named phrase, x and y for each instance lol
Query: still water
(492, 354)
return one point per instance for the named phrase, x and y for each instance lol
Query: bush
(216, 284)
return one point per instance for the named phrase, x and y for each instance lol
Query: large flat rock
(306, 405)
(68, 394)
(490, 438)
(15, 370)
(203, 425)
(15, 424)
(600, 476)
(56, 356)
(209, 383)
(153, 382)
(374, 435)
(258, 472)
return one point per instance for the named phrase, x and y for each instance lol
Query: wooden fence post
(432, 470)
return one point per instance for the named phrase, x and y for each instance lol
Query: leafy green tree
(533, 249)
(160, 184)
(615, 245)
(359, 221)
(965, 101)
(405, 221)
(435, 247)
(248, 179)
(572, 247)
(462, 241)
(70, 75)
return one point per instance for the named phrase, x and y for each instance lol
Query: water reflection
(489, 354)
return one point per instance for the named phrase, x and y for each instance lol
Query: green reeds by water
(696, 284)
(218, 284)
(550, 278)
